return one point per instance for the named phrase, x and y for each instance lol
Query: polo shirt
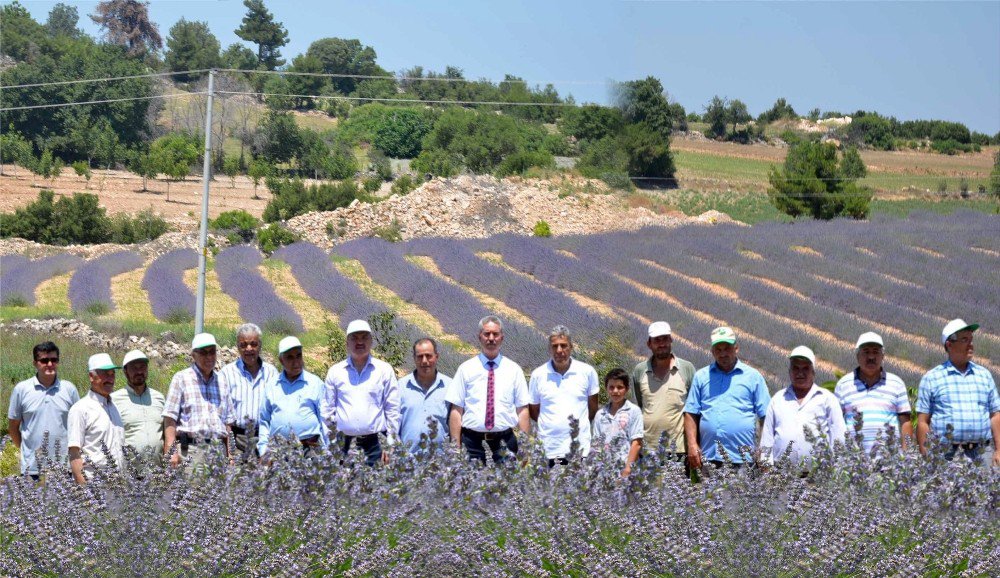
(729, 405)
(418, 405)
(468, 391)
(42, 409)
(559, 397)
(365, 402)
(291, 409)
(94, 424)
(615, 432)
(246, 390)
(878, 405)
(662, 401)
(964, 400)
(787, 419)
(142, 416)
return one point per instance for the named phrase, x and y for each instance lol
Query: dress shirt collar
(970, 368)
(103, 401)
(813, 392)
(496, 361)
(738, 368)
(349, 362)
(283, 376)
(413, 384)
(673, 364)
(243, 368)
(201, 378)
(131, 391)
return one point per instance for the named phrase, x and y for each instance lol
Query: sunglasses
(47, 360)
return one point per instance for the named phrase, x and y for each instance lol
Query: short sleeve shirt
(877, 405)
(94, 425)
(142, 416)
(963, 400)
(615, 432)
(201, 407)
(663, 401)
(365, 402)
(729, 405)
(559, 397)
(291, 409)
(42, 409)
(469, 387)
(418, 405)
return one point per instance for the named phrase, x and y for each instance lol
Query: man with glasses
(198, 410)
(40, 406)
(962, 394)
(292, 405)
(247, 378)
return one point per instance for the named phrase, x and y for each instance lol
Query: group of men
(721, 413)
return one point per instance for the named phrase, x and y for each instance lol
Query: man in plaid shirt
(198, 411)
(962, 394)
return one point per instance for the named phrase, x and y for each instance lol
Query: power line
(108, 79)
(406, 100)
(105, 101)
(407, 78)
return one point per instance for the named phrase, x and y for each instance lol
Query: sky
(911, 60)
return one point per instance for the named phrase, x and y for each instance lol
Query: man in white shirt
(362, 396)
(247, 378)
(488, 397)
(802, 404)
(561, 389)
(94, 427)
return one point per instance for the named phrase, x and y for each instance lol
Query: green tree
(280, 140)
(851, 165)
(482, 140)
(20, 35)
(258, 27)
(239, 57)
(716, 115)
(231, 168)
(872, 130)
(126, 23)
(591, 122)
(781, 109)
(82, 169)
(279, 91)
(737, 113)
(390, 340)
(648, 154)
(259, 169)
(62, 21)
(812, 183)
(191, 46)
(143, 164)
(643, 101)
(994, 186)
(305, 84)
(76, 219)
(400, 133)
(174, 155)
(14, 149)
(345, 56)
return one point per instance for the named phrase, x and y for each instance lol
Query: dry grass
(220, 309)
(53, 294)
(415, 315)
(130, 299)
(279, 275)
(806, 251)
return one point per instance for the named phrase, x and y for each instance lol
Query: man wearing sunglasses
(39, 406)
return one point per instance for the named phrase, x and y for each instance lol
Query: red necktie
(489, 396)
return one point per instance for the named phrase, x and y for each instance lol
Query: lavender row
(547, 307)
(169, 297)
(338, 294)
(18, 282)
(455, 309)
(90, 286)
(239, 278)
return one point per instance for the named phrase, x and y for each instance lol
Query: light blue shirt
(964, 400)
(468, 390)
(291, 409)
(877, 405)
(42, 409)
(615, 432)
(247, 391)
(417, 405)
(729, 405)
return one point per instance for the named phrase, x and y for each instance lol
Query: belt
(188, 440)
(365, 438)
(311, 441)
(967, 446)
(488, 435)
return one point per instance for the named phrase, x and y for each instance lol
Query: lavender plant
(169, 296)
(239, 278)
(90, 285)
(19, 281)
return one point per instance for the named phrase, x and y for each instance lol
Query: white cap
(290, 342)
(133, 355)
(658, 329)
(203, 340)
(805, 353)
(100, 361)
(723, 335)
(870, 337)
(357, 326)
(954, 326)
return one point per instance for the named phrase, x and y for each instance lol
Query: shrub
(273, 236)
(380, 165)
(82, 169)
(403, 185)
(812, 183)
(518, 163)
(438, 162)
(293, 197)
(557, 144)
(77, 219)
(240, 222)
(393, 232)
(400, 132)
(371, 184)
(542, 229)
(482, 140)
(144, 226)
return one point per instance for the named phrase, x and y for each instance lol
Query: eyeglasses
(47, 360)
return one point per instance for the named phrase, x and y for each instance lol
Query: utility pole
(199, 316)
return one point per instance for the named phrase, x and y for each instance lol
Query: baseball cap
(869, 337)
(954, 326)
(357, 326)
(803, 352)
(290, 342)
(133, 355)
(100, 361)
(723, 335)
(203, 340)
(659, 328)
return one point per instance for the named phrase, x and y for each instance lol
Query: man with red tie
(488, 397)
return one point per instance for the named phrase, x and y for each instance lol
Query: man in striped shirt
(247, 377)
(875, 397)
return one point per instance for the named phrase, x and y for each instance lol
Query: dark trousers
(971, 450)
(368, 444)
(246, 442)
(473, 442)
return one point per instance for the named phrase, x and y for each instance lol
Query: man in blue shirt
(291, 405)
(726, 405)
(38, 406)
(422, 397)
(962, 394)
